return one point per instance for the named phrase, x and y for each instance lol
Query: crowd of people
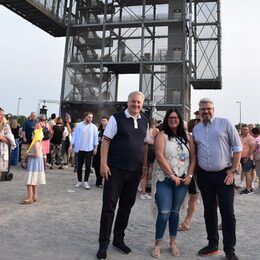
(127, 152)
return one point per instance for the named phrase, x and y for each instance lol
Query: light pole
(240, 121)
(18, 105)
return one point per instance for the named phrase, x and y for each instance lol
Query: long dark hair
(180, 133)
(100, 127)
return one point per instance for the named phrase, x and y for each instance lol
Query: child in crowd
(35, 167)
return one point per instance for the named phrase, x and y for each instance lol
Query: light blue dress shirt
(91, 138)
(215, 144)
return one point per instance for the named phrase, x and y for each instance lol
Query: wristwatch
(190, 176)
(235, 171)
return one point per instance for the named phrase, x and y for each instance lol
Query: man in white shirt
(123, 160)
(84, 142)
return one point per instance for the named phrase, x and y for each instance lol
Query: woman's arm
(3, 139)
(193, 161)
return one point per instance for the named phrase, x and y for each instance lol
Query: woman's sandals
(156, 252)
(27, 201)
(175, 250)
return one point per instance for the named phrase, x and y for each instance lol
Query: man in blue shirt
(28, 128)
(218, 154)
(84, 142)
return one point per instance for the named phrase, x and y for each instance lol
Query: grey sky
(31, 64)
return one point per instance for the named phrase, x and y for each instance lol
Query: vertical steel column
(153, 49)
(183, 63)
(64, 11)
(219, 39)
(68, 24)
(118, 53)
(142, 48)
(190, 39)
(195, 39)
(103, 47)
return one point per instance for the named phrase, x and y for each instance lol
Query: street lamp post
(18, 105)
(240, 120)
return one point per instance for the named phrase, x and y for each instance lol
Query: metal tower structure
(170, 44)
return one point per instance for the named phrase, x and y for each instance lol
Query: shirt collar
(127, 114)
(210, 121)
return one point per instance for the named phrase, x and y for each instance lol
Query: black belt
(225, 169)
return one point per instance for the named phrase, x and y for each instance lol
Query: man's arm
(95, 141)
(236, 148)
(104, 169)
(236, 160)
(23, 132)
(235, 165)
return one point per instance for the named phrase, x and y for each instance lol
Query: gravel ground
(64, 224)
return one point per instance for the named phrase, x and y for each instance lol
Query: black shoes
(208, 250)
(232, 256)
(102, 253)
(122, 247)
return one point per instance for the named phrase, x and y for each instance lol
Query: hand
(186, 180)
(229, 180)
(95, 151)
(246, 159)
(105, 171)
(176, 179)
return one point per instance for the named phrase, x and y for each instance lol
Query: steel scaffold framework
(170, 44)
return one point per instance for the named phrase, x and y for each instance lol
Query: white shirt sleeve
(111, 128)
(65, 132)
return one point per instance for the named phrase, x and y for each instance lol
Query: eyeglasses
(173, 117)
(206, 109)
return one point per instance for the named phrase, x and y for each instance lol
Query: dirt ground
(64, 224)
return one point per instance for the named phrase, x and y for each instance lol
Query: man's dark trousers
(121, 185)
(216, 193)
(82, 157)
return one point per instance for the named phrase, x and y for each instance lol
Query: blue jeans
(169, 198)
